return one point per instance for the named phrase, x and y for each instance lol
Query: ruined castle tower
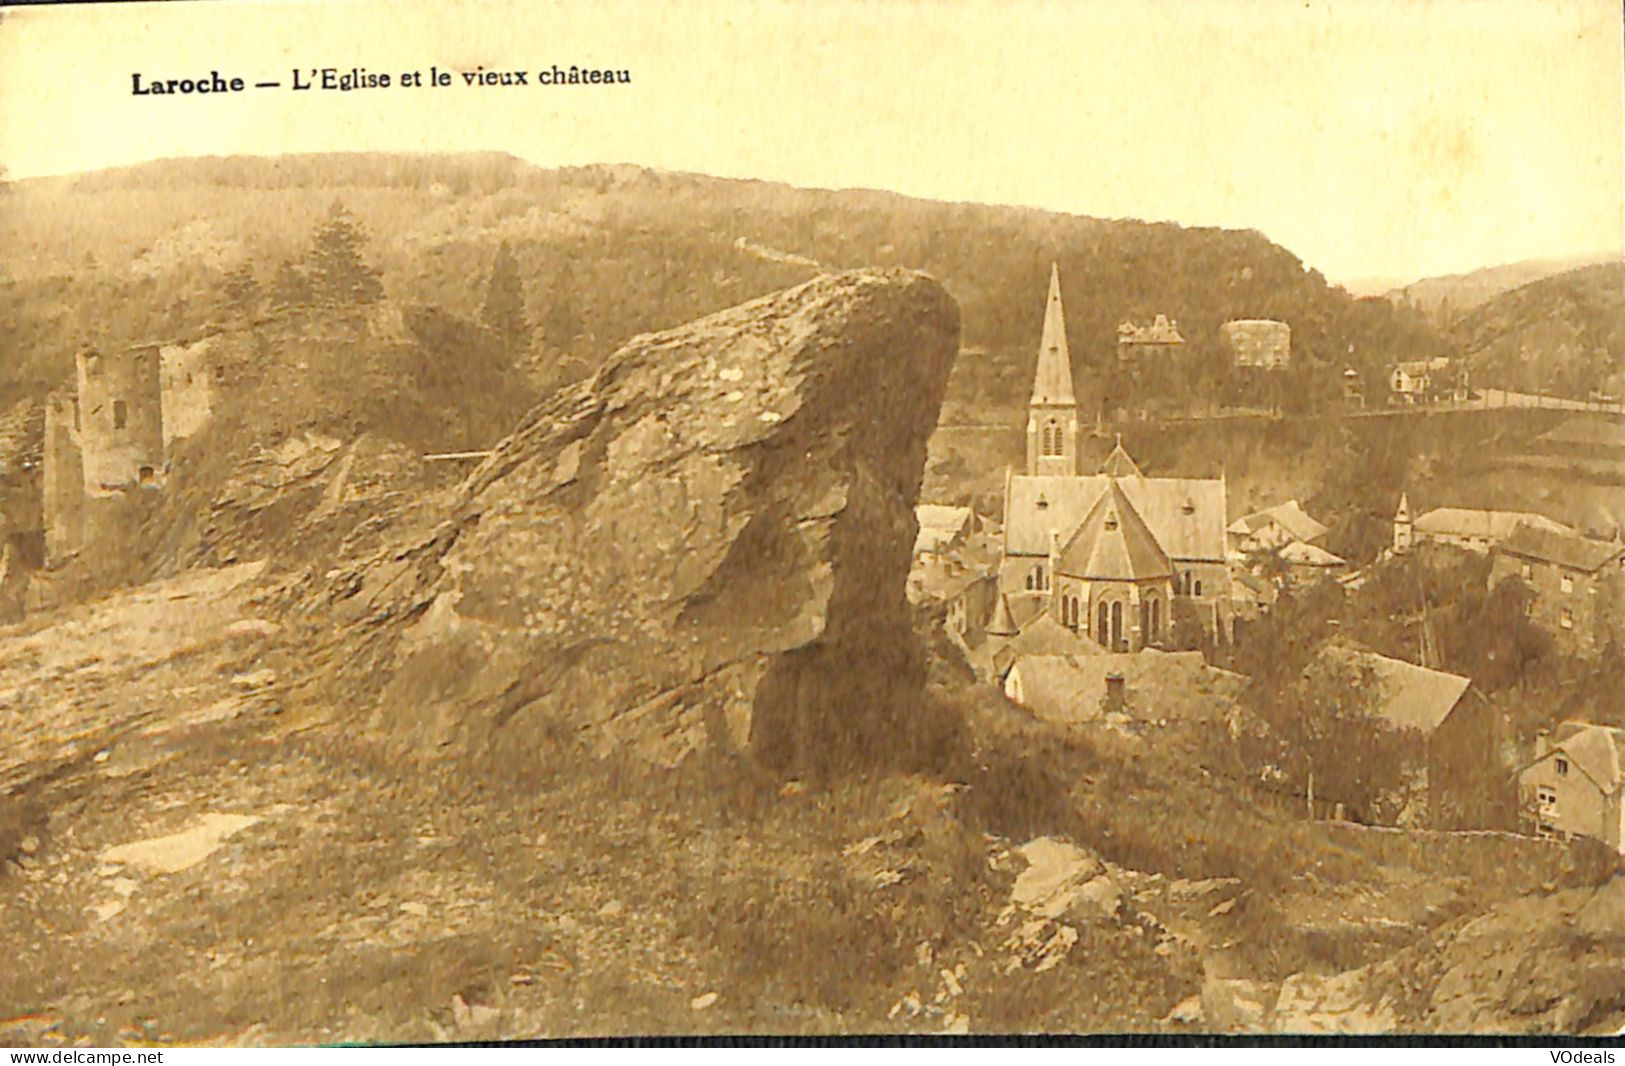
(121, 430)
(63, 478)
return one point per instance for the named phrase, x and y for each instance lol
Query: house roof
(1052, 383)
(1565, 549)
(1043, 635)
(1407, 695)
(939, 525)
(1160, 684)
(1185, 515)
(1595, 749)
(1490, 525)
(1300, 554)
(1289, 516)
(1161, 331)
(1114, 543)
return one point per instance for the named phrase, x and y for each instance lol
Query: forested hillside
(607, 252)
(1562, 334)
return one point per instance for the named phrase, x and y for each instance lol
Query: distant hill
(1563, 334)
(611, 251)
(1451, 296)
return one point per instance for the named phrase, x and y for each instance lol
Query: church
(1108, 553)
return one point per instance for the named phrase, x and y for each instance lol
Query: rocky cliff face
(707, 543)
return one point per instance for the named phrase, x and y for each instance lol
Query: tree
(504, 309)
(561, 324)
(291, 287)
(242, 290)
(338, 272)
(1322, 736)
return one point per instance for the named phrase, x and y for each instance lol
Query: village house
(1463, 527)
(1306, 563)
(1455, 729)
(1107, 554)
(1573, 786)
(1578, 584)
(1258, 343)
(1418, 381)
(1274, 528)
(1151, 345)
(943, 528)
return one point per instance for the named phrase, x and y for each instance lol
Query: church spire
(1052, 415)
(1052, 385)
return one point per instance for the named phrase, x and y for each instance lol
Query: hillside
(1563, 334)
(611, 251)
(1451, 296)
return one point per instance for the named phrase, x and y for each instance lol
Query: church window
(1197, 587)
(1101, 631)
(1117, 625)
(1052, 437)
(1156, 618)
(121, 414)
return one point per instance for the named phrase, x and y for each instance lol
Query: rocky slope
(705, 543)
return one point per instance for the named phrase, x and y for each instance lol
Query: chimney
(1116, 694)
(1543, 742)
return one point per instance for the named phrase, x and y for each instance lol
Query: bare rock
(707, 543)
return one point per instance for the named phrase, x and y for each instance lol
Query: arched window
(1156, 619)
(1101, 631)
(1052, 437)
(1197, 588)
(1032, 580)
(1117, 625)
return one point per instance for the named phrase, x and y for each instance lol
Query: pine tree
(338, 272)
(561, 324)
(504, 309)
(242, 290)
(290, 287)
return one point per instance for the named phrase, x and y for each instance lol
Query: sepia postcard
(811, 518)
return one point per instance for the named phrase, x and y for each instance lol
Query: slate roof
(1114, 543)
(1490, 525)
(1043, 635)
(1407, 695)
(1052, 383)
(1160, 684)
(1300, 554)
(939, 526)
(1595, 749)
(1185, 515)
(1565, 549)
(1289, 516)
(1120, 464)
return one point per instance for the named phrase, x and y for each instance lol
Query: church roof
(1052, 384)
(1114, 543)
(1185, 515)
(1119, 463)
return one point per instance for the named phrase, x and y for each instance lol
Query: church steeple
(1052, 414)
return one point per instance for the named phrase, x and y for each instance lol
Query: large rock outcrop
(707, 543)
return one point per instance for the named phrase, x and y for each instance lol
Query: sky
(1374, 139)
